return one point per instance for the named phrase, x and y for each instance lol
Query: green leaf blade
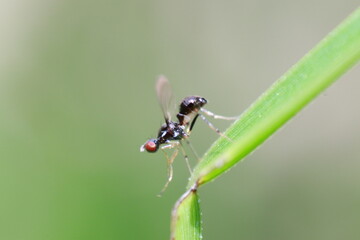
(302, 83)
(186, 218)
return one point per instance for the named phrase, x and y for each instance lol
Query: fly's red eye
(150, 146)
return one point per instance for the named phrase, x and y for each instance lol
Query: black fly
(171, 133)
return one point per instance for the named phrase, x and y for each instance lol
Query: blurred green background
(77, 100)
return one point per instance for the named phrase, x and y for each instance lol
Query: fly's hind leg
(215, 116)
(214, 128)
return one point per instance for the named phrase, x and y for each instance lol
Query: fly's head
(151, 145)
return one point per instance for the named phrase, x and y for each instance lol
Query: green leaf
(317, 70)
(186, 218)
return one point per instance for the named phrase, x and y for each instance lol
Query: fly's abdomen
(189, 108)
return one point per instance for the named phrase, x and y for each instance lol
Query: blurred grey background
(77, 100)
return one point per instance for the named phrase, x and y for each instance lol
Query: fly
(172, 133)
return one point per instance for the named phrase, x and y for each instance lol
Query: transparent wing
(164, 94)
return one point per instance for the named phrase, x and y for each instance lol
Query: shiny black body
(190, 106)
(170, 131)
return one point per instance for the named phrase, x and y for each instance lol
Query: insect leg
(192, 123)
(175, 144)
(211, 114)
(170, 169)
(169, 146)
(186, 157)
(214, 128)
(192, 149)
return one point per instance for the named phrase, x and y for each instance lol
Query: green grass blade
(186, 218)
(333, 56)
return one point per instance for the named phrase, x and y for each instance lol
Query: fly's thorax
(171, 131)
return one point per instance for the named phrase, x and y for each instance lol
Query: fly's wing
(164, 95)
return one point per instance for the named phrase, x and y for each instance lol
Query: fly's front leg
(215, 116)
(170, 161)
(170, 146)
(175, 145)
